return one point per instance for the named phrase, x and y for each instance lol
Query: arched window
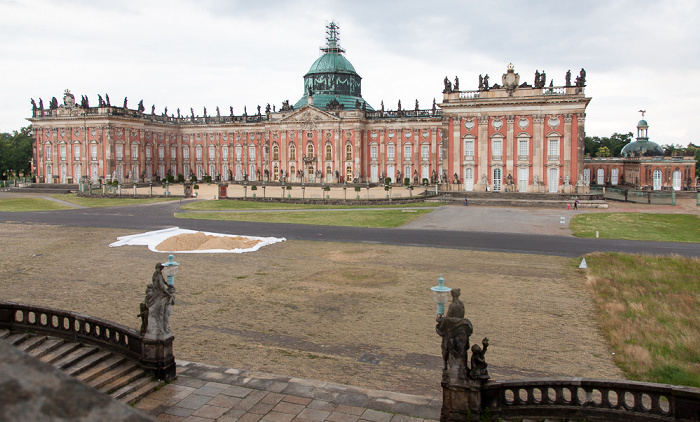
(656, 177)
(198, 152)
(292, 152)
(185, 152)
(329, 155)
(348, 152)
(614, 176)
(212, 152)
(348, 174)
(600, 176)
(310, 150)
(275, 153)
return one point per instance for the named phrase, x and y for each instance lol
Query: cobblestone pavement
(212, 393)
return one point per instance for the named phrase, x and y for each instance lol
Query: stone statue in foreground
(159, 300)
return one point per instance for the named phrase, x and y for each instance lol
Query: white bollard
(583, 264)
(596, 234)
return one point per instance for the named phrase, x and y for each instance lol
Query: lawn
(649, 310)
(233, 205)
(108, 202)
(638, 226)
(30, 204)
(374, 218)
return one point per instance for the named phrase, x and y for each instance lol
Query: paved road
(158, 216)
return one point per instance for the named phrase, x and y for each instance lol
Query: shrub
(253, 187)
(387, 181)
(289, 187)
(425, 182)
(406, 181)
(357, 188)
(181, 178)
(196, 186)
(207, 178)
(171, 179)
(327, 188)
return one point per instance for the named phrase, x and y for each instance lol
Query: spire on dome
(332, 46)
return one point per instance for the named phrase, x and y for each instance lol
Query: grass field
(638, 226)
(374, 218)
(30, 204)
(107, 202)
(649, 309)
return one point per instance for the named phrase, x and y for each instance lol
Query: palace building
(642, 166)
(508, 136)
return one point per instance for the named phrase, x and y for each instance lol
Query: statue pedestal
(157, 357)
(460, 403)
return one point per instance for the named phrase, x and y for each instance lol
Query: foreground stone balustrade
(155, 356)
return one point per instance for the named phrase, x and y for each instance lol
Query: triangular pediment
(309, 114)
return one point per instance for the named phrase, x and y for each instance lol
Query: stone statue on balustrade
(160, 298)
(455, 331)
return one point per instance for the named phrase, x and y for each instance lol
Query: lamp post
(345, 190)
(303, 189)
(263, 188)
(367, 189)
(441, 294)
(245, 188)
(283, 188)
(170, 269)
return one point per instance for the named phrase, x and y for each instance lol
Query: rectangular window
(76, 152)
(373, 152)
(198, 152)
(251, 153)
(161, 153)
(186, 154)
(425, 152)
(390, 152)
(212, 153)
(120, 152)
(173, 152)
(63, 152)
(93, 152)
(224, 153)
(468, 149)
(48, 151)
(407, 152)
(553, 149)
(523, 148)
(148, 153)
(239, 152)
(134, 152)
(497, 148)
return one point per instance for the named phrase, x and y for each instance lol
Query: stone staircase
(105, 371)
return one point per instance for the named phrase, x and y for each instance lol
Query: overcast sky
(206, 53)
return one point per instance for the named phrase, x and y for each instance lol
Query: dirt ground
(354, 314)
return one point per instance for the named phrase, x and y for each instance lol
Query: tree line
(15, 153)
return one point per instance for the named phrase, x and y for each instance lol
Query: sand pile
(200, 241)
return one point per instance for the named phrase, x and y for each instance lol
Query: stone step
(59, 352)
(75, 356)
(31, 342)
(100, 368)
(87, 363)
(117, 383)
(112, 374)
(140, 392)
(46, 347)
(16, 338)
(4, 333)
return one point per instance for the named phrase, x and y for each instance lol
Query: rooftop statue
(125, 101)
(448, 86)
(456, 86)
(568, 78)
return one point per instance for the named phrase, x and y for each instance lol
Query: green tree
(603, 152)
(614, 143)
(16, 152)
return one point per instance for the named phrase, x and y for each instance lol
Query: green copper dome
(642, 147)
(332, 80)
(333, 63)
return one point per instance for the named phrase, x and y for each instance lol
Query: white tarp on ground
(154, 238)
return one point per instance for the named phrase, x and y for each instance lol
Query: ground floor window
(200, 172)
(424, 173)
(94, 173)
(677, 179)
(348, 174)
(497, 175)
(523, 179)
(614, 177)
(374, 174)
(276, 173)
(587, 176)
(292, 174)
(391, 173)
(469, 179)
(224, 171)
(656, 177)
(600, 177)
(553, 179)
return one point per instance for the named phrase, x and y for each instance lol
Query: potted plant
(181, 178)
(289, 188)
(425, 181)
(327, 189)
(386, 188)
(253, 188)
(357, 192)
(195, 187)
(208, 179)
(387, 181)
